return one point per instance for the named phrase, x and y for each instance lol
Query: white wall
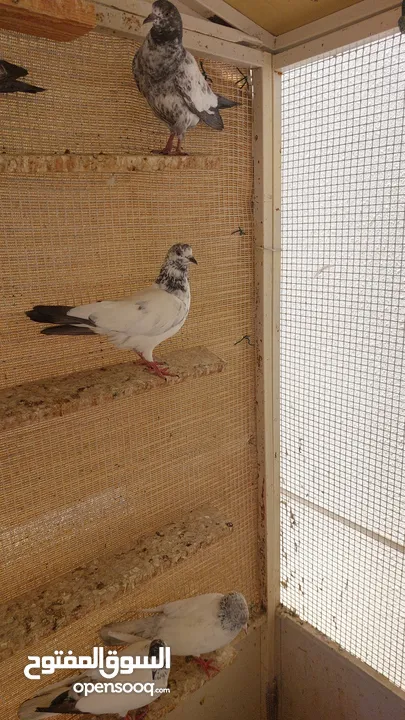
(321, 682)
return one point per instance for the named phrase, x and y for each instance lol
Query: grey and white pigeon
(171, 80)
(61, 698)
(9, 82)
(193, 626)
(140, 322)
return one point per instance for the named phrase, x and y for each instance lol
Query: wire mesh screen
(343, 310)
(87, 484)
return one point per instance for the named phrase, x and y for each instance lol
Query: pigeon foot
(157, 368)
(168, 149)
(162, 152)
(141, 714)
(173, 153)
(207, 665)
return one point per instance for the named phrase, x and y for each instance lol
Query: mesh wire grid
(84, 485)
(343, 311)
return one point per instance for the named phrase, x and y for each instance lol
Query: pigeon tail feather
(67, 330)
(12, 86)
(13, 71)
(212, 119)
(57, 314)
(223, 103)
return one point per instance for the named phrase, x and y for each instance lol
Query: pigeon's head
(167, 22)
(180, 256)
(233, 612)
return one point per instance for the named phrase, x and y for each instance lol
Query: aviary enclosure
(121, 490)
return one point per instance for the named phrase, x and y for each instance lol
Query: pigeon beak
(245, 628)
(149, 19)
(193, 260)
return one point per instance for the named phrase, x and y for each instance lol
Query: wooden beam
(181, 7)
(193, 6)
(123, 24)
(359, 33)
(53, 19)
(234, 18)
(267, 188)
(141, 9)
(338, 20)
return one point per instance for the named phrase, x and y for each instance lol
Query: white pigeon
(140, 322)
(171, 81)
(60, 698)
(193, 626)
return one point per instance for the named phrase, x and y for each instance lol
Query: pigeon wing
(150, 312)
(196, 93)
(183, 608)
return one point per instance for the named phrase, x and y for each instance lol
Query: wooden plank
(267, 183)
(357, 34)
(53, 19)
(240, 20)
(122, 24)
(280, 16)
(336, 21)
(141, 9)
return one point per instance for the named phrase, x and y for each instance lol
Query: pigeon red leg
(178, 150)
(207, 665)
(141, 714)
(155, 368)
(136, 715)
(169, 147)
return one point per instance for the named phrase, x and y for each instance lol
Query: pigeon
(190, 627)
(61, 698)
(9, 82)
(140, 322)
(171, 81)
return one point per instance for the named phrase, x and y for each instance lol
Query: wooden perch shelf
(60, 396)
(53, 19)
(43, 611)
(75, 163)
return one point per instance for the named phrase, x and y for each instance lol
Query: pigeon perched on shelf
(171, 81)
(194, 626)
(9, 82)
(140, 322)
(61, 698)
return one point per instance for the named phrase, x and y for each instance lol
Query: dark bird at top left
(9, 82)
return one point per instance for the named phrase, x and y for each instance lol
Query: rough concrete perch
(42, 611)
(52, 19)
(58, 396)
(72, 163)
